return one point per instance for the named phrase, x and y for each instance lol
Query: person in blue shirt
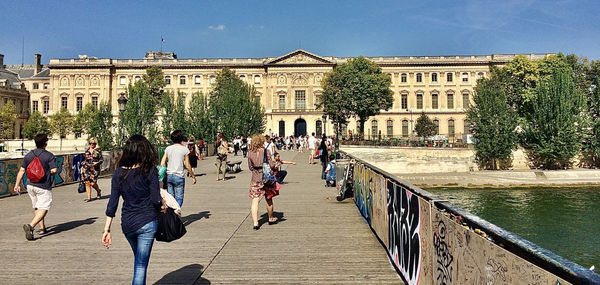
(330, 172)
(136, 180)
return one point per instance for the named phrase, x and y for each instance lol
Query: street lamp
(324, 124)
(122, 105)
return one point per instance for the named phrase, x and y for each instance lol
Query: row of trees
(551, 107)
(232, 107)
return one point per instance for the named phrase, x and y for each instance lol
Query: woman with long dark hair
(136, 180)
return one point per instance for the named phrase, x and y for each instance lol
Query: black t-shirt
(48, 162)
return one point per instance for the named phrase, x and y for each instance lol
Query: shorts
(40, 198)
(313, 152)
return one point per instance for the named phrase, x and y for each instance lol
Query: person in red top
(200, 149)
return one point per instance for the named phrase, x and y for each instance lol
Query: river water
(563, 220)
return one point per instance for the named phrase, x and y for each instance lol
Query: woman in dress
(136, 180)
(90, 169)
(194, 154)
(256, 157)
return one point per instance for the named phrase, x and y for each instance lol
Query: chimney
(38, 63)
(1, 61)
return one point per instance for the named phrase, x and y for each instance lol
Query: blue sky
(127, 29)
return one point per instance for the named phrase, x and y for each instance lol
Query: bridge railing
(431, 241)
(68, 170)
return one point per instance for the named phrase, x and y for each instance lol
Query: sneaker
(28, 231)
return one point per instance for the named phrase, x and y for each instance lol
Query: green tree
(234, 108)
(61, 124)
(199, 124)
(493, 123)
(179, 114)
(356, 88)
(425, 126)
(592, 139)
(553, 135)
(167, 106)
(100, 126)
(8, 115)
(143, 102)
(36, 124)
(83, 120)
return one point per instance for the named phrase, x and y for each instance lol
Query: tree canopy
(425, 126)
(61, 124)
(36, 124)
(100, 126)
(355, 88)
(8, 115)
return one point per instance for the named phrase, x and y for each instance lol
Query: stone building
(13, 89)
(440, 86)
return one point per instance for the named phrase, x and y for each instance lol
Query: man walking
(312, 145)
(40, 192)
(176, 159)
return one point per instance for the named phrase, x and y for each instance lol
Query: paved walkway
(318, 241)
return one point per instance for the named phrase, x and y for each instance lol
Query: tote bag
(170, 226)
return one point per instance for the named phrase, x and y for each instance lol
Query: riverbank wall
(431, 241)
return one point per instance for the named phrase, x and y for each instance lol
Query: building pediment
(299, 57)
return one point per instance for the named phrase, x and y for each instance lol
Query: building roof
(27, 71)
(9, 79)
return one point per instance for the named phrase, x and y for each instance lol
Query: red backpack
(35, 170)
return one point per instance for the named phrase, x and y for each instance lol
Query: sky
(225, 29)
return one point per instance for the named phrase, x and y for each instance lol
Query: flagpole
(161, 43)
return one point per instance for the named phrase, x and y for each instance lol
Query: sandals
(42, 231)
(87, 200)
(275, 221)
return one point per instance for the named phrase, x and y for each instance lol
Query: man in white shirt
(312, 145)
(269, 146)
(175, 159)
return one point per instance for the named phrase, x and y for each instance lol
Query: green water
(563, 220)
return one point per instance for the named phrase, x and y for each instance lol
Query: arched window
(451, 128)
(182, 80)
(122, 80)
(434, 77)
(243, 78)
(198, 80)
(390, 128)
(479, 75)
(403, 78)
(319, 128)
(434, 101)
(449, 76)
(256, 79)
(138, 78)
(212, 79)
(405, 128)
(419, 77)
(374, 129)
(437, 126)
(168, 80)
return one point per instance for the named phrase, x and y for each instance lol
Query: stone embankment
(446, 167)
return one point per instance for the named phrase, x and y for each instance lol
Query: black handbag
(81, 187)
(170, 226)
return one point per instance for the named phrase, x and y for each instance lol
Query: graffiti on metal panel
(59, 164)
(362, 191)
(404, 231)
(379, 218)
(443, 256)
(76, 166)
(8, 175)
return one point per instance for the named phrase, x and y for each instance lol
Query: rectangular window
(405, 128)
(404, 101)
(451, 128)
(449, 77)
(168, 80)
(46, 106)
(419, 77)
(36, 86)
(437, 126)
(122, 80)
(467, 129)
(256, 79)
(466, 100)
(419, 101)
(197, 80)
(300, 99)
(390, 128)
(63, 102)
(434, 77)
(282, 101)
(465, 77)
(95, 102)
(182, 80)
(34, 105)
(450, 101)
(79, 103)
(374, 130)
(46, 85)
(403, 78)
(434, 101)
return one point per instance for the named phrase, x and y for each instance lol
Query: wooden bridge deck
(318, 241)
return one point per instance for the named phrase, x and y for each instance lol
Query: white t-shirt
(312, 141)
(175, 157)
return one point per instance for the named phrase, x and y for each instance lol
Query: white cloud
(217, 28)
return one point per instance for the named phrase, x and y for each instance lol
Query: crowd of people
(136, 180)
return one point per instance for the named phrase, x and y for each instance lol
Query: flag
(162, 40)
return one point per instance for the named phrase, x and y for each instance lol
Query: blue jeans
(281, 174)
(141, 243)
(176, 185)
